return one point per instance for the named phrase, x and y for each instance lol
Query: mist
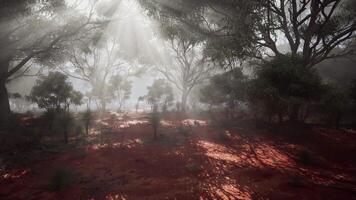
(177, 99)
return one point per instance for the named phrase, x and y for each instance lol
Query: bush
(87, 118)
(61, 179)
(305, 158)
(184, 130)
(335, 102)
(155, 121)
(64, 123)
(225, 136)
(282, 85)
(193, 168)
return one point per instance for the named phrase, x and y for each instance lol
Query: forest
(177, 99)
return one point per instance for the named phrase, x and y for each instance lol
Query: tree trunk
(66, 137)
(184, 100)
(103, 105)
(87, 129)
(294, 113)
(4, 102)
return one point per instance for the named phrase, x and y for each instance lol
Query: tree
(254, 29)
(120, 89)
(98, 62)
(159, 95)
(227, 89)
(283, 85)
(189, 68)
(54, 93)
(37, 32)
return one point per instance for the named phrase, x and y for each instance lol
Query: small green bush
(186, 131)
(61, 179)
(224, 136)
(296, 181)
(155, 121)
(88, 118)
(193, 167)
(305, 158)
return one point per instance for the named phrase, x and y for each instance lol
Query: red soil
(125, 163)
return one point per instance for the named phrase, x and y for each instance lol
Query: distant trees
(120, 89)
(98, 63)
(38, 32)
(188, 67)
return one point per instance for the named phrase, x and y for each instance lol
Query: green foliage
(228, 89)
(55, 92)
(283, 85)
(335, 102)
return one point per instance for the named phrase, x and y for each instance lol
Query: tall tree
(261, 28)
(98, 62)
(188, 68)
(37, 32)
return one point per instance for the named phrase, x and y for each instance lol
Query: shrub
(193, 168)
(55, 92)
(184, 130)
(155, 121)
(61, 179)
(335, 102)
(225, 136)
(282, 85)
(305, 158)
(64, 123)
(87, 118)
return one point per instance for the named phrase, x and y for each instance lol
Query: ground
(191, 159)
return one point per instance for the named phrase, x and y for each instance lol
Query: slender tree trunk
(280, 117)
(4, 97)
(184, 100)
(66, 137)
(103, 105)
(87, 129)
(4, 104)
(294, 113)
